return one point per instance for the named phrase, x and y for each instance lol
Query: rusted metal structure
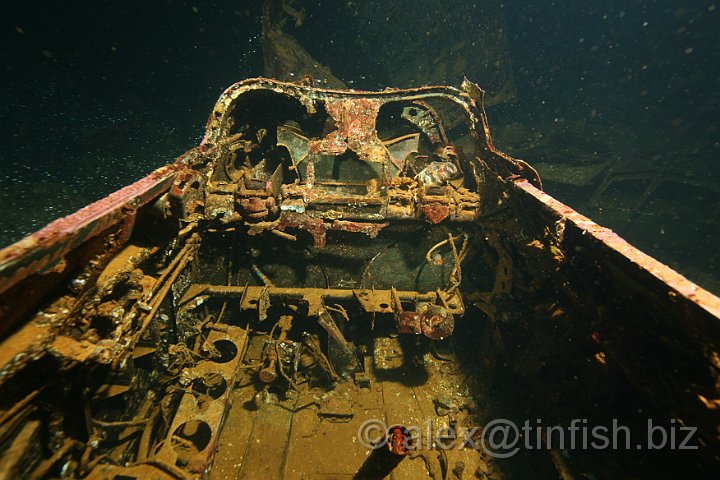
(216, 318)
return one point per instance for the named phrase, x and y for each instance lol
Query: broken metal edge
(470, 97)
(667, 278)
(42, 249)
(222, 109)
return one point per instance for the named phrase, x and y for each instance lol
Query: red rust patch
(435, 212)
(315, 226)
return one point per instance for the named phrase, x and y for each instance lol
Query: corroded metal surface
(661, 329)
(229, 309)
(665, 279)
(43, 249)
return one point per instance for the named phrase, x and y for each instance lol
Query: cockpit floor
(318, 434)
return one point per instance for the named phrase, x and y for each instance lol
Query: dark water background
(94, 95)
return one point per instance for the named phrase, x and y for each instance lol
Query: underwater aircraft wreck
(328, 258)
